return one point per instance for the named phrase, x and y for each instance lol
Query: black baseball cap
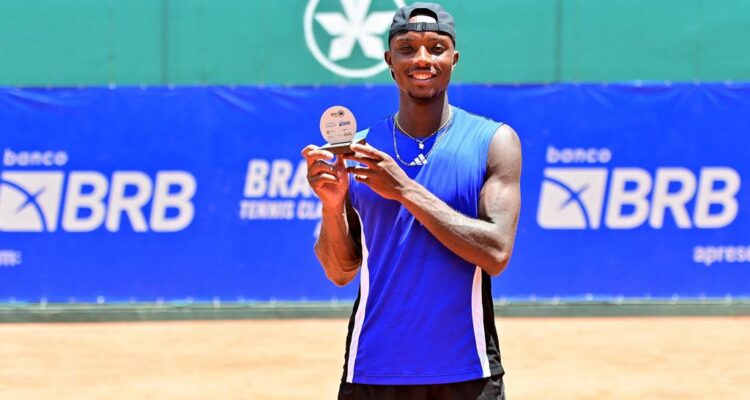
(444, 25)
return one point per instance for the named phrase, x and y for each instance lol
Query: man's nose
(423, 56)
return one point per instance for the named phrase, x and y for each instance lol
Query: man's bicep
(500, 198)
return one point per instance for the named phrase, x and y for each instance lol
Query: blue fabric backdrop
(627, 190)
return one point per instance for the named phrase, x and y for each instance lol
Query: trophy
(339, 129)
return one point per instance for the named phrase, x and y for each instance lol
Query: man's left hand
(381, 173)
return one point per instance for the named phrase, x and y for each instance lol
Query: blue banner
(140, 194)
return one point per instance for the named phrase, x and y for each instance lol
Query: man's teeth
(422, 75)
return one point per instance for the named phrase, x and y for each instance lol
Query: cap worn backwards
(444, 21)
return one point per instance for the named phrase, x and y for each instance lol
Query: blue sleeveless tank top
(423, 315)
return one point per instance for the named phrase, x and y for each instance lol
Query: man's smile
(422, 75)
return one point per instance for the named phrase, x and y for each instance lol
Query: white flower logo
(355, 26)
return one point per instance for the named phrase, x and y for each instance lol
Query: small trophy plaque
(339, 129)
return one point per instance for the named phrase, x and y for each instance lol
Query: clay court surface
(574, 358)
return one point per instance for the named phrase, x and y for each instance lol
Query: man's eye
(406, 48)
(438, 49)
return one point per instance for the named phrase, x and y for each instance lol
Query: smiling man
(426, 213)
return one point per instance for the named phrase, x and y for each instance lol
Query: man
(428, 215)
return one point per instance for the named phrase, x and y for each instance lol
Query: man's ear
(387, 58)
(456, 56)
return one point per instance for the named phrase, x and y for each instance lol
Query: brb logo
(82, 201)
(352, 31)
(574, 197)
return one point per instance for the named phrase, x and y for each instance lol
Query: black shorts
(481, 389)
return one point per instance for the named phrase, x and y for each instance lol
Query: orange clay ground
(574, 358)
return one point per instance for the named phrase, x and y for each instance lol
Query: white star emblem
(355, 26)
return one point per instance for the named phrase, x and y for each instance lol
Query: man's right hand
(330, 181)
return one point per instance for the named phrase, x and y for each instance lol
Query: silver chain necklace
(421, 159)
(420, 143)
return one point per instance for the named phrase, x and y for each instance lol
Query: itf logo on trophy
(348, 37)
(339, 128)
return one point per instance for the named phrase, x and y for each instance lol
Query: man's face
(422, 62)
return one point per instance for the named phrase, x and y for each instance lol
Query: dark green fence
(95, 42)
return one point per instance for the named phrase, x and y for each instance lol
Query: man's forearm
(337, 252)
(479, 242)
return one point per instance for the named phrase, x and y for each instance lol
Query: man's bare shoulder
(505, 151)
